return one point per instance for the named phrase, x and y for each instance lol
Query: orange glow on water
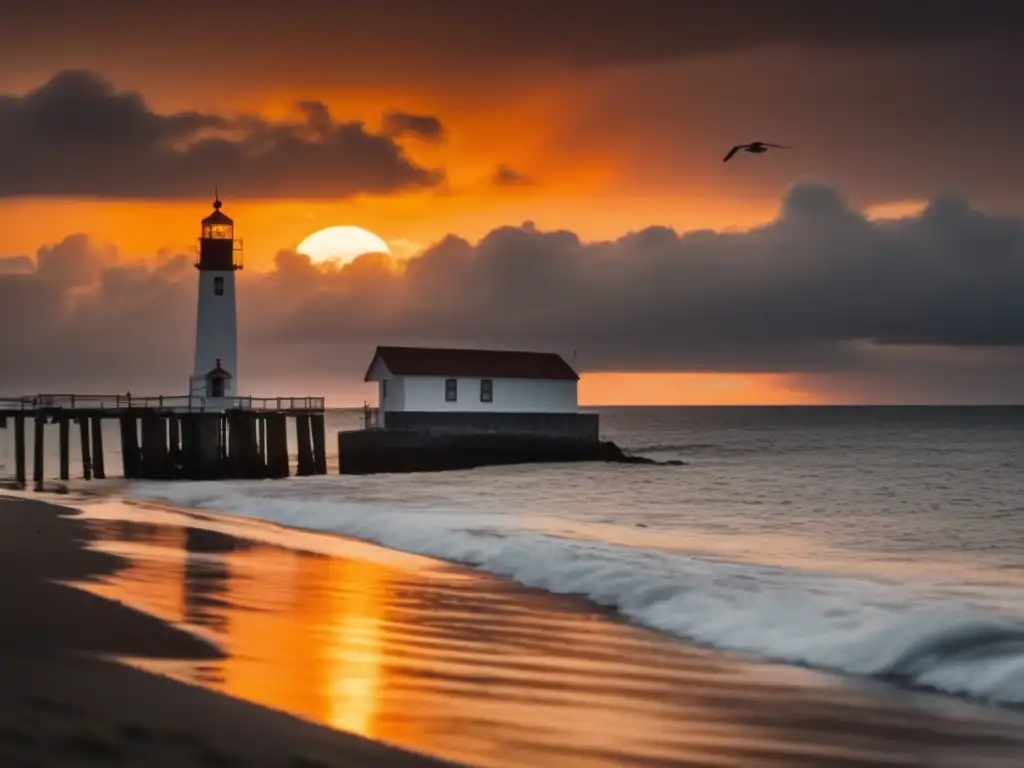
(470, 668)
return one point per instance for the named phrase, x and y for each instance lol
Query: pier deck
(173, 437)
(113, 405)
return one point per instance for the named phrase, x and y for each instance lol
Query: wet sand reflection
(445, 661)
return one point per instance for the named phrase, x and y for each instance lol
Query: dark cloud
(318, 116)
(400, 124)
(504, 176)
(78, 135)
(820, 290)
(14, 265)
(449, 33)
(811, 290)
(890, 100)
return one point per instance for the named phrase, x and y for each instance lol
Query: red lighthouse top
(218, 249)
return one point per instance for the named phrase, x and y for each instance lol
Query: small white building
(474, 390)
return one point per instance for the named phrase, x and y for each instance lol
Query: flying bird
(756, 147)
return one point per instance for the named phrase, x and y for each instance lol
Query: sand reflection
(474, 669)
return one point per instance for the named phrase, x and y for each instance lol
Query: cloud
(404, 248)
(820, 290)
(504, 176)
(15, 265)
(399, 124)
(810, 290)
(78, 135)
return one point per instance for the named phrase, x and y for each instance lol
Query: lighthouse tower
(215, 373)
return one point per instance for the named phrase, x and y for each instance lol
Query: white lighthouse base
(199, 400)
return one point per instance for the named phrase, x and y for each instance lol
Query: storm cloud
(821, 289)
(78, 135)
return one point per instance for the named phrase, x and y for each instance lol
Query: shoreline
(449, 661)
(413, 558)
(717, 601)
(55, 644)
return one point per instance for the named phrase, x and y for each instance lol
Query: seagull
(756, 147)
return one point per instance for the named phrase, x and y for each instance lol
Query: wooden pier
(169, 438)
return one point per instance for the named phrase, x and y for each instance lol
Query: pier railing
(178, 403)
(235, 438)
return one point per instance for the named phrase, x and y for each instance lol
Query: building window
(218, 286)
(451, 390)
(384, 389)
(486, 390)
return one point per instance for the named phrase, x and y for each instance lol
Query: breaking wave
(831, 622)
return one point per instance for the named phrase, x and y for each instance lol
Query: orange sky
(587, 193)
(588, 190)
(695, 389)
(609, 149)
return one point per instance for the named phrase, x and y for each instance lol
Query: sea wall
(370, 451)
(575, 426)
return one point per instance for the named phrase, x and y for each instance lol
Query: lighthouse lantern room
(215, 372)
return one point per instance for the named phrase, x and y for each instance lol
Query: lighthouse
(215, 372)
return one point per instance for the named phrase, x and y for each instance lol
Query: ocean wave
(826, 621)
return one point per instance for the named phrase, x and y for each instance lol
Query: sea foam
(828, 621)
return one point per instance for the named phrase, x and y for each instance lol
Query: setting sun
(341, 245)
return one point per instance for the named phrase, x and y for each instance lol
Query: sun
(341, 245)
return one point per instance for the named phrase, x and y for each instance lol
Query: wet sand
(62, 704)
(445, 661)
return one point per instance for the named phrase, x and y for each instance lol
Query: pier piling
(190, 446)
(261, 441)
(316, 424)
(19, 450)
(174, 430)
(98, 468)
(243, 450)
(37, 451)
(304, 445)
(131, 458)
(277, 445)
(212, 445)
(83, 433)
(64, 430)
(154, 447)
(234, 444)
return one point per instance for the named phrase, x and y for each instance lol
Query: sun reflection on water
(478, 670)
(354, 648)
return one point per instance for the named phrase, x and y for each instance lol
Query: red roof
(472, 363)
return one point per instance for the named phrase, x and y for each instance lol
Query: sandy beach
(63, 704)
(217, 621)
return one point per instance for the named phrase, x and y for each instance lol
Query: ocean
(878, 542)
